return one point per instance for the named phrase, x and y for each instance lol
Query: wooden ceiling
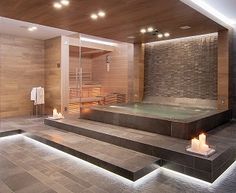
(124, 18)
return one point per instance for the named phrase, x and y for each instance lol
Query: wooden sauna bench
(87, 100)
(90, 93)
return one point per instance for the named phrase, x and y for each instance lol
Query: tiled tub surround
(170, 150)
(189, 125)
(182, 68)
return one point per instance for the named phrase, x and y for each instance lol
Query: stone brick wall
(182, 68)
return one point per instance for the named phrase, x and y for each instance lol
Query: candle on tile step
(202, 139)
(55, 114)
(204, 148)
(60, 116)
(195, 144)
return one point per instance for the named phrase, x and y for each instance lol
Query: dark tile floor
(29, 166)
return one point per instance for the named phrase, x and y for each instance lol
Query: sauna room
(91, 85)
(98, 74)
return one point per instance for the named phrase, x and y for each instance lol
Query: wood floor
(27, 166)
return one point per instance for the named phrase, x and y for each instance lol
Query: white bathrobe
(40, 96)
(37, 95)
(33, 95)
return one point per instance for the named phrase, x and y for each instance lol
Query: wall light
(97, 41)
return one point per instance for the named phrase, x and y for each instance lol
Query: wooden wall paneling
(21, 68)
(138, 72)
(131, 74)
(53, 74)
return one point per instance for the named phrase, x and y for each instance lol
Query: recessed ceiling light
(143, 31)
(32, 28)
(57, 5)
(166, 34)
(185, 27)
(150, 29)
(65, 2)
(160, 35)
(94, 16)
(101, 14)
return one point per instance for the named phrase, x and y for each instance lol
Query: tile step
(124, 162)
(170, 150)
(10, 132)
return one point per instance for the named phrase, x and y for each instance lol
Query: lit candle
(60, 116)
(202, 139)
(54, 113)
(204, 148)
(195, 144)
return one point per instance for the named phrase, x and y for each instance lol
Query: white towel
(40, 96)
(33, 94)
(37, 95)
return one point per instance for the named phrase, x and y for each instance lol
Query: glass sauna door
(75, 80)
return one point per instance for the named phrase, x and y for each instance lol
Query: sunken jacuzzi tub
(179, 122)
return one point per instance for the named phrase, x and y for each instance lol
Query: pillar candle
(202, 139)
(54, 114)
(195, 144)
(204, 148)
(60, 116)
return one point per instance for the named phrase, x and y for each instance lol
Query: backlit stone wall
(182, 68)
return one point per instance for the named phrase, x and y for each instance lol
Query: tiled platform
(170, 150)
(179, 128)
(4, 133)
(31, 167)
(124, 162)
